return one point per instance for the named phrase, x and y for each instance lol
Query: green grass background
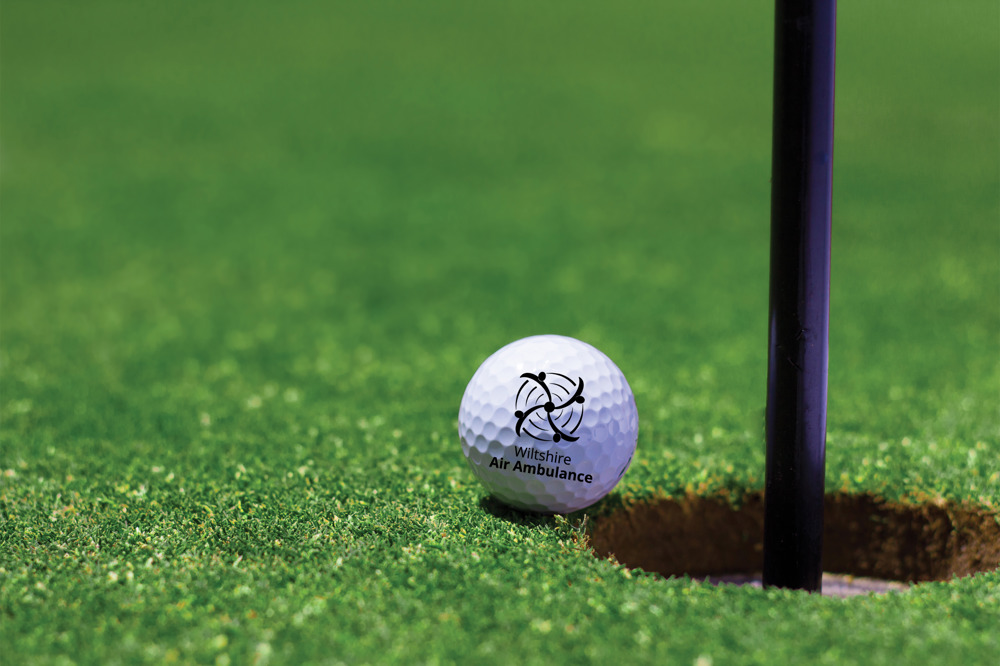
(251, 253)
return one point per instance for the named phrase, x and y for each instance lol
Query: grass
(250, 256)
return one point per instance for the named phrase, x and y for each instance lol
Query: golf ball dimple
(548, 424)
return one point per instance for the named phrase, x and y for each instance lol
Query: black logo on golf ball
(549, 406)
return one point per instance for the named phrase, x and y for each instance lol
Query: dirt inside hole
(863, 536)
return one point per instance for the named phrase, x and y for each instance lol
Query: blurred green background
(206, 198)
(276, 237)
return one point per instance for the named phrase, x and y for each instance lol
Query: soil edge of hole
(864, 535)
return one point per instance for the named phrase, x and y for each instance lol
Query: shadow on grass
(498, 509)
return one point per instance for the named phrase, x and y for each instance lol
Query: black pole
(801, 184)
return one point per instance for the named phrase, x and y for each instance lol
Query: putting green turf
(250, 255)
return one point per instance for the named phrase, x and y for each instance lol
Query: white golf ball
(548, 424)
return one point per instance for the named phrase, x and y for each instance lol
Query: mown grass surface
(251, 255)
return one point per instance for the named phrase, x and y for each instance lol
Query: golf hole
(869, 544)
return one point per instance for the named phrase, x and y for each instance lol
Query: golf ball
(548, 424)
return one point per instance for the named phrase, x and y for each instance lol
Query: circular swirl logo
(549, 406)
